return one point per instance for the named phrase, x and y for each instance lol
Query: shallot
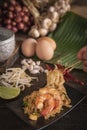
(17, 16)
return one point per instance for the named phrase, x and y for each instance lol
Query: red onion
(11, 8)
(18, 8)
(22, 13)
(25, 19)
(10, 14)
(5, 5)
(14, 29)
(25, 9)
(8, 21)
(18, 19)
(17, 16)
(14, 23)
(13, 2)
(21, 26)
(9, 26)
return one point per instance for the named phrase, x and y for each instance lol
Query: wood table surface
(75, 120)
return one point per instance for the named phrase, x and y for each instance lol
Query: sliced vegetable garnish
(70, 36)
(9, 92)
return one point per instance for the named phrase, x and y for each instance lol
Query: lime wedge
(9, 92)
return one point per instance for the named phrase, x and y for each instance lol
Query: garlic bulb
(53, 27)
(46, 23)
(51, 9)
(55, 17)
(34, 32)
(57, 6)
(68, 7)
(43, 31)
(48, 20)
(61, 12)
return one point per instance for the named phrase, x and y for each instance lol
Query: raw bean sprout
(16, 77)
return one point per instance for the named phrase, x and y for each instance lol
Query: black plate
(17, 107)
(76, 93)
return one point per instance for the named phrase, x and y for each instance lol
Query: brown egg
(50, 40)
(28, 47)
(44, 50)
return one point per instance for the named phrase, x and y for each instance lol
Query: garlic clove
(24, 67)
(36, 67)
(24, 62)
(33, 63)
(37, 62)
(41, 69)
(46, 23)
(34, 71)
(29, 61)
(30, 68)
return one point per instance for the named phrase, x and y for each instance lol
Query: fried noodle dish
(49, 100)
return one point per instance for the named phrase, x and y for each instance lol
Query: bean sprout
(16, 77)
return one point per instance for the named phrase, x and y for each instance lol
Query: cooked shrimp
(46, 103)
(44, 90)
(54, 92)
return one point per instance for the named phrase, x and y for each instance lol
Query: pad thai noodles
(49, 100)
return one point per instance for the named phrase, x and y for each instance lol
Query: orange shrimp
(45, 103)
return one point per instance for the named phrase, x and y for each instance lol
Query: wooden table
(80, 7)
(75, 120)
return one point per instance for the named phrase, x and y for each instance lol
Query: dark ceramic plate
(17, 107)
(76, 93)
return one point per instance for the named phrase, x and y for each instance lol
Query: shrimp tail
(49, 108)
(47, 111)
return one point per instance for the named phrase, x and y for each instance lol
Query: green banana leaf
(70, 36)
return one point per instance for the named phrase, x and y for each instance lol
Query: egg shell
(28, 47)
(44, 50)
(50, 40)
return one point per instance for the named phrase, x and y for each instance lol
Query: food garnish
(16, 77)
(9, 92)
